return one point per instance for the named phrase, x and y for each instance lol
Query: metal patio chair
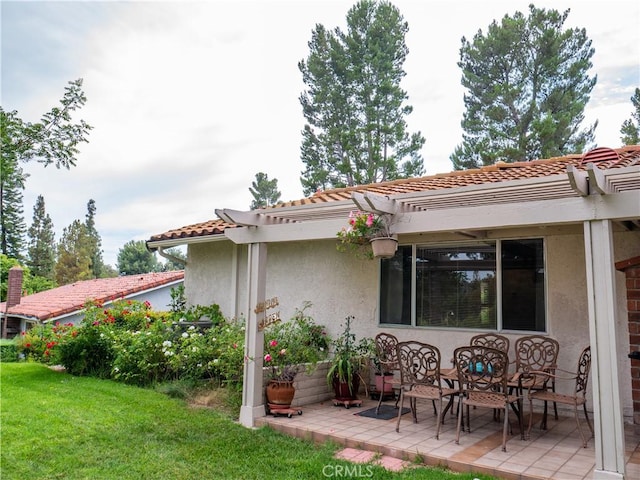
(420, 379)
(386, 348)
(483, 375)
(577, 398)
(535, 353)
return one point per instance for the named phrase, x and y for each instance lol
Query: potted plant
(289, 348)
(368, 235)
(350, 357)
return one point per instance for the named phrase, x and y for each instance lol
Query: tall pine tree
(265, 192)
(527, 86)
(630, 129)
(74, 254)
(355, 110)
(97, 264)
(41, 251)
(12, 225)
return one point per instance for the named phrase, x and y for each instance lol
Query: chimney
(14, 287)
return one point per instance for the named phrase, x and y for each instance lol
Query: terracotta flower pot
(343, 391)
(280, 393)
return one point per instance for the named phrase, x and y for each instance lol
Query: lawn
(54, 425)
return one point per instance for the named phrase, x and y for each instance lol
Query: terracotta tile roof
(604, 158)
(71, 298)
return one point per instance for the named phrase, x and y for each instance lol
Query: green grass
(54, 425)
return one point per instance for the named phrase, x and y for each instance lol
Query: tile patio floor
(556, 453)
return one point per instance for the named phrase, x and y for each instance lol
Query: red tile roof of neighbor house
(499, 172)
(71, 298)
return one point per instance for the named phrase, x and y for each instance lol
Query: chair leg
(530, 418)
(381, 395)
(586, 416)
(505, 428)
(414, 410)
(520, 414)
(438, 422)
(401, 400)
(543, 425)
(584, 441)
(469, 419)
(460, 407)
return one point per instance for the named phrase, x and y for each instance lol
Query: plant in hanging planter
(364, 231)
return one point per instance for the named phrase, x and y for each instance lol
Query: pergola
(600, 200)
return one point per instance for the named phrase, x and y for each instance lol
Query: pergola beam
(578, 180)
(247, 219)
(597, 180)
(370, 202)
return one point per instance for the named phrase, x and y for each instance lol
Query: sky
(189, 100)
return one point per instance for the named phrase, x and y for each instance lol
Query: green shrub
(129, 342)
(8, 351)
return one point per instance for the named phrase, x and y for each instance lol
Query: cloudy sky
(189, 100)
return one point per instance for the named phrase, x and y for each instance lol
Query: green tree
(12, 225)
(41, 250)
(527, 86)
(170, 265)
(134, 258)
(74, 254)
(355, 110)
(30, 283)
(52, 140)
(265, 192)
(631, 128)
(97, 264)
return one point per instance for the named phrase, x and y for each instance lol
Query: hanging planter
(384, 247)
(366, 229)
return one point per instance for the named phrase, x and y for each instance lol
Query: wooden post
(252, 385)
(601, 301)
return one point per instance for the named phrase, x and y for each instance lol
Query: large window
(496, 285)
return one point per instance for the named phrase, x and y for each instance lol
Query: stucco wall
(339, 284)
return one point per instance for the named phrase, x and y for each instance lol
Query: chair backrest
(419, 363)
(493, 340)
(482, 368)
(582, 372)
(536, 352)
(386, 346)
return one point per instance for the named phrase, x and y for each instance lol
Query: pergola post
(607, 405)
(252, 398)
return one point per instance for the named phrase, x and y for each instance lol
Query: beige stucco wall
(339, 284)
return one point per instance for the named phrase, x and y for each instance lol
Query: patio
(553, 454)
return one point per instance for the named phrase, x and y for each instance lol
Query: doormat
(386, 412)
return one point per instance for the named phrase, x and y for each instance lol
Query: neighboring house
(518, 248)
(66, 304)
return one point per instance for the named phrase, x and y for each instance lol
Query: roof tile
(70, 298)
(499, 172)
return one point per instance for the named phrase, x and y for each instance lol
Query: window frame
(499, 290)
